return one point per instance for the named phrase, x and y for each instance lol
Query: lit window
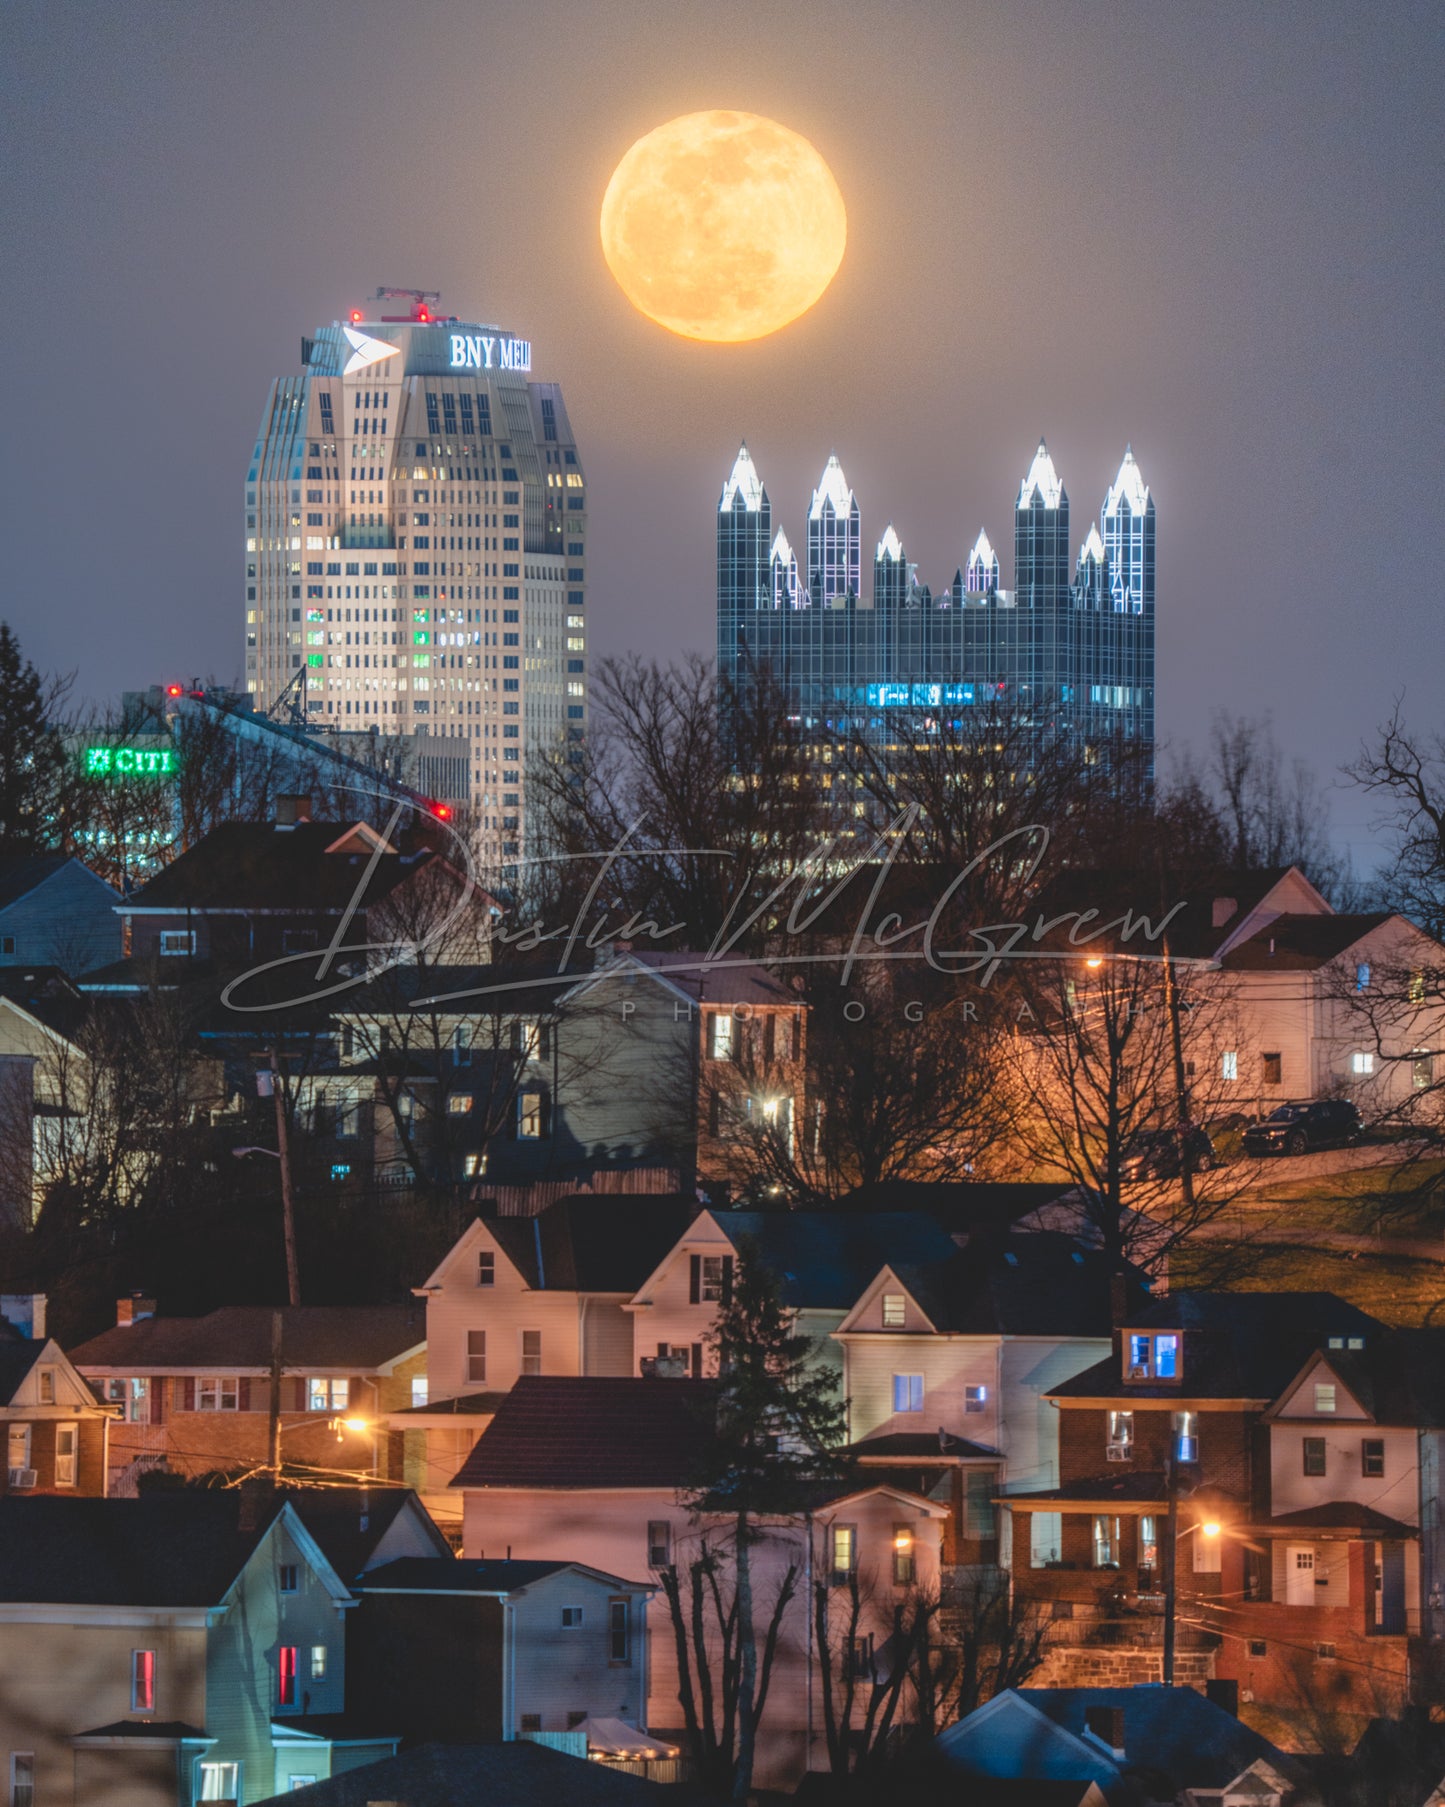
(1362, 1063)
(1324, 1396)
(1166, 1357)
(1422, 1071)
(318, 1662)
(477, 1358)
(975, 1399)
(530, 1116)
(1417, 988)
(178, 941)
(1362, 976)
(1139, 1367)
(286, 1676)
(845, 1551)
(1314, 1455)
(1121, 1433)
(1229, 1064)
(486, 1268)
(142, 1681)
(903, 1567)
(720, 1036)
(1106, 1543)
(1148, 1542)
(908, 1392)
(220, 1782)
(22, 1779)
(1186, 1436)
(716, 1279)
(47, 1386)
(619, 1631)
(217, 1393)
(893, 1311)
(418, 1389)
(531, 1351)
(459, 1104)
(323, 1395)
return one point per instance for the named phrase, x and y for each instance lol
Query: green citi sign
(131, 762)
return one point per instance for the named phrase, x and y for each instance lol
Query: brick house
(56, 1431)
(1292, 1429)
(195, 1393)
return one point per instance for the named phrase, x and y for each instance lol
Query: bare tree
(1272, 814)
(869, 1689)
(1404, 773)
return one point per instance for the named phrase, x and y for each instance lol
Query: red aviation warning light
(423, 314)
(356, 316)
(173, 690)
(442, 812)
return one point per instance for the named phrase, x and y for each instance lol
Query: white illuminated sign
(477, 351)
(366, 351)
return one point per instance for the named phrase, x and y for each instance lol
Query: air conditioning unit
(1119, 1452)
(22, 1477)
(1138, 1373)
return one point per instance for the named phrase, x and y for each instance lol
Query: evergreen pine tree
(31, 752)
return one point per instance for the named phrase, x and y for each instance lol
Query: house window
(178, 941)
(47, 1386)
(217, 1393)
(461, 1046)
(1148, 1541)
(860, 1658)
(1229, 1064)
(1258, 1647)
(1121, 1435)
(531, 1351)
(893, 1311)
(571, 1618)
(903, 1567)
(659, 1543)
(529, 1040)
(720, 1037)
(142, 1681)
(286, 1577)
(1362, 976)
(1362, 1063)
(1166, 1358)
(419, 1389)
(286, 1676)
(531, 1116)
(67, 1453)
(220, 1782)
(975, 1399)
(459, 1104)
(477, 1358)
(1314, 1455)
(318, 1662)
(22, 1779)
(1186, 1436)
(845, 1552)
(1325, 1396)
(1422, 1071)
(1106, 1542)
(1327, 1651)
(619, 1631)
(531, 1722)
(908, 1392)
(980, 1515)
(486, 1268)
(327, 1395)
(716, 1279)
(1372, 1458)
(1273, 1068)
(138, 1399)
(1153, 1357)
(17, 1455)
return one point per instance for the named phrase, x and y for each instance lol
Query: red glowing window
(286, 1679)
(142, 1681)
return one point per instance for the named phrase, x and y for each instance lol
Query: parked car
(1154, 1154)
(1297, 1128)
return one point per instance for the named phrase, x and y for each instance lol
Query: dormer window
(1325, 1396)
(1152, 1356)
(1347, 1342)
(893, 1311)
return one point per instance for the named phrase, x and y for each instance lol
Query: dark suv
(1297, 1128)
(1154, 1154)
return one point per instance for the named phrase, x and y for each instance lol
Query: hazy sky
(1214, 231)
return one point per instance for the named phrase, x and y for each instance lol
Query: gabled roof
(458, 1575)
(345, 1338)
(1237, 1345)
(349, 1524)
(182, 1549)
(16, 1360)
(555, 1431)
(586, 1242)
(505, 1775)
(312, 868)
(23, 873)
(826, 1258)
(1297, 943)
(695, 977)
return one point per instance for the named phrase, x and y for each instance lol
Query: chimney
(26, 1311)
(134, 1309)
(291, 810)
(1105, 1725)
(1224, 908)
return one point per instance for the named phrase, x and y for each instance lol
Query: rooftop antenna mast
(425, 304)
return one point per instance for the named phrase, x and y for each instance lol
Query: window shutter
(694, 1281)
(158, 1400)
(697, 1361)
(243, 1394)
(188, 1393)
(298, 1392)
(727, 1280)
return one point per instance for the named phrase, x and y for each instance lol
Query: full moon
(723, 226)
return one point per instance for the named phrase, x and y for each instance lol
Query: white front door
(1299, 1574)
(67, 1447)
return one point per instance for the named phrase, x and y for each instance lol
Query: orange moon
(723, 226)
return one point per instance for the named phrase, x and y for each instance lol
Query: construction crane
(425, 304)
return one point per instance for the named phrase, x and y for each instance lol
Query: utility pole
(1181, 1082)
(274, 1427)
(1171, 1558)
(288, 1213)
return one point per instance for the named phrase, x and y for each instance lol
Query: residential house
(55, 1429)
(594, 1471)
(195, 1393)
(148, 1648)
(503, 1775)
(1133, 1744)
(525, 1295)
(1286, 1428)
(55, 912)
(477, 1652)
(947, 1369)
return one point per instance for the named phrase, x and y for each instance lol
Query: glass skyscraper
(1070, 652)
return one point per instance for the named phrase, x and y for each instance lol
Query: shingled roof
(1039, 1284)
(556, 1431)
(825, 1259)
(1302, 943)
(607, 1243)
(344, 1338)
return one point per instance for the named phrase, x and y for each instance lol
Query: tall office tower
(783, 573)
(744, 531)
(890, 572)
(834, 555)
(1128, 521)
(1041, 537)
(981, 574)
(416, 550)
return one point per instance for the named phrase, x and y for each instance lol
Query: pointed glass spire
(743, 481)
(1042, 480)
(832, 488)
(1092, 548)
(1129, 486)
(981, 572)
(781, 548)
(890, 546)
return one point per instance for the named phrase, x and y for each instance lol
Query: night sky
(1213, 231)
